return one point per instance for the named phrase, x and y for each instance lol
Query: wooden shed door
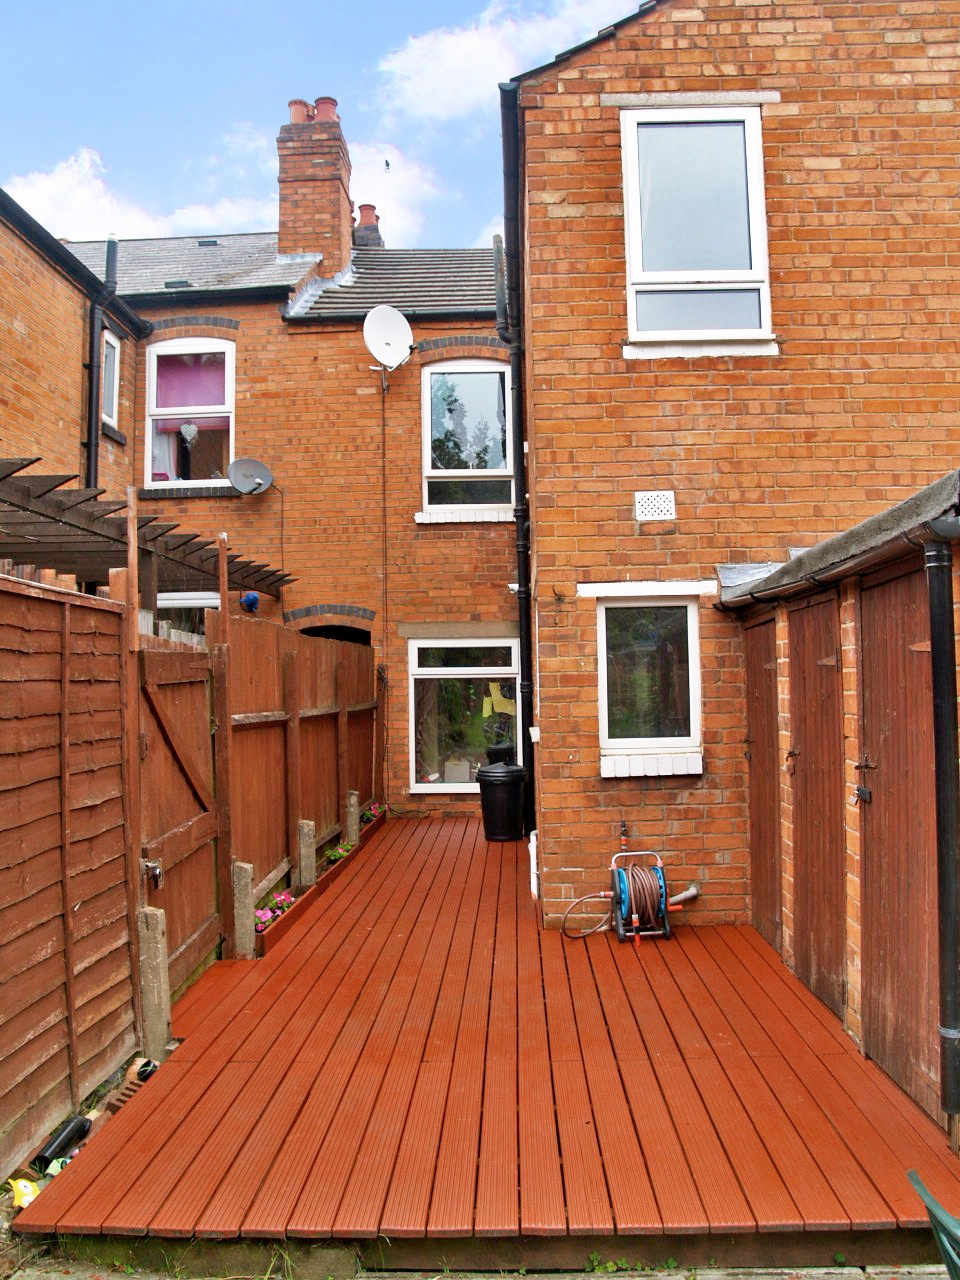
(818, 828)
(760, 645)
(900, 978)
(178, 805)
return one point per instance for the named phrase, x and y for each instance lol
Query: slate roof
(416, 281)
(148, 268)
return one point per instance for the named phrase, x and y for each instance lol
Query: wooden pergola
(46, 523)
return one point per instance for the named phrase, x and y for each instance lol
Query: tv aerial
(248, 475)
(388, 337)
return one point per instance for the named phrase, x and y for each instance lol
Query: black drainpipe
(938, 558)
(93, 388)
(510, 330)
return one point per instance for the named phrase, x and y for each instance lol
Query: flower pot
(273, 933)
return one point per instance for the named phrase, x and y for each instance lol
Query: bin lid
(501, 772)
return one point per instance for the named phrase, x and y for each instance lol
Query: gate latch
(862, 794)
(153, 870)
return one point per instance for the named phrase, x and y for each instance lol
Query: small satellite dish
(388, 336)
(249, 476)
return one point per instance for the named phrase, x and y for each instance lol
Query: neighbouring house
(392, 502)
(732, 254)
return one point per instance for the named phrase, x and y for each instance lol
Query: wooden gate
(816, 719)
(899, 840)
(178, 804)
(760, 643)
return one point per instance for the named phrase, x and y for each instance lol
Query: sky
(161, 119)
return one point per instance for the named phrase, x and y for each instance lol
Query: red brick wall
(44, 349)
(310, 406)
(858, 410)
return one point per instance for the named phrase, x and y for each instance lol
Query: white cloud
(399, 186)
(73, 201)
(453, 71)
(493, 228)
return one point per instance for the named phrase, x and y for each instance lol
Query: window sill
(189, 491)
(665, 765)
(701, 347)
(465, 515)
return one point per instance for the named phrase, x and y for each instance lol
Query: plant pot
(265, 941)
(333, 869)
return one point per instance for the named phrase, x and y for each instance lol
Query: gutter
(510, 331)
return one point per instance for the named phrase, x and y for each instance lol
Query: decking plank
(862, 1204)
(588, 1203)
(497, 1211)
(351, 1009)
(674, 1187)
(202, 998)
(454, 1188)
(411, 1185)
(819, 1206)
(150, 1194)
(316, 1209)
(628, 1180)
(363, 1200)
(274, 1043)
(542, 1208)
(769, 1201)
(780, 1014)
(717, 1184)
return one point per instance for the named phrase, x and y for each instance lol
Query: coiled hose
(643, 891)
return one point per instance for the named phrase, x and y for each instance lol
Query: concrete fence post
(305, 872)
(154, 981)
(243, 905)
(352, 833)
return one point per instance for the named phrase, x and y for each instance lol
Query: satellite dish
(249, 476)
(388, 336)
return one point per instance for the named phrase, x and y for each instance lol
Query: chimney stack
(315, 210)
(366, 233)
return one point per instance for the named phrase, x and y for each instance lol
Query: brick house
(391, 503)
(732, 246)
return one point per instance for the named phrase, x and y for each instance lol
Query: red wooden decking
(416, 1058)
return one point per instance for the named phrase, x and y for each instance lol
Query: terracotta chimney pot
(326, 109)
(368, 215)
(300, 111)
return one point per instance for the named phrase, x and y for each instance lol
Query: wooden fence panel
(66, 992)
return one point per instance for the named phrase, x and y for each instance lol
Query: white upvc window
(190, 412)
(695, 221)
(467, 446)
(110, 379)
(463, 710)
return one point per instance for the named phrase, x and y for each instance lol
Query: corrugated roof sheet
(415, 281)
(185, 264)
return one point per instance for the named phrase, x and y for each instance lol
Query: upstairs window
(110, 379)
(695, 221)
(190, 402)
(467, 450)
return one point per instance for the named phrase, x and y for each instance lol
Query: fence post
(353, 817)
(305, 868)
(154, 981)
(243, 905)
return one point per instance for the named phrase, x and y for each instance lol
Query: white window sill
(665, 765)
(701, 347)
(465, 515)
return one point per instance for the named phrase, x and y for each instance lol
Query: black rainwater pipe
(94, 364)
(938, 558)
(510, 330)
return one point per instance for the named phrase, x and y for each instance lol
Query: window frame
(111, 341)
(189, 346)
(464, 510)
(756, 278)
(416, 672)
